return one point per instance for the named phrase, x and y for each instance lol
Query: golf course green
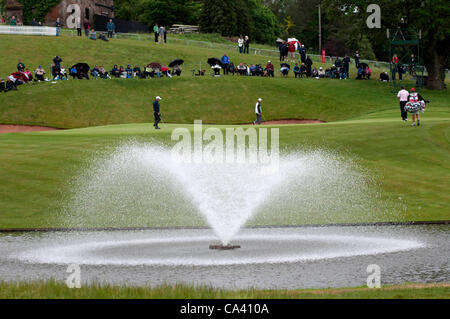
(407, 167)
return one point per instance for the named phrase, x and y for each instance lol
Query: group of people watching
(288, 49)
(160, 34)
(244, 44)
(58, 72)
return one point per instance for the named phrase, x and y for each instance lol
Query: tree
(240, 17)
(430, 16)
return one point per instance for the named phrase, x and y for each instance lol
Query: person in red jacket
(394, 66)
(291, 48)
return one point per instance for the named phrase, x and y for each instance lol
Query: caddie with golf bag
(415, 105)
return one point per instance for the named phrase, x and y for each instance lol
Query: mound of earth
(6, 128)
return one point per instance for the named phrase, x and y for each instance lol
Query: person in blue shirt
(225, 63)
(111, 28)
(129, 71)
(157, 112)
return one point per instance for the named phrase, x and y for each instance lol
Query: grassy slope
(53, 290)
(85, 103)
(411, 164)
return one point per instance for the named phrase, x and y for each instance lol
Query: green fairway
(409, 167)
(53, 290)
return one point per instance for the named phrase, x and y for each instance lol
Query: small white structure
(28, 30)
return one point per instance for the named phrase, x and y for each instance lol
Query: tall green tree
(240, 17)
(429, 16)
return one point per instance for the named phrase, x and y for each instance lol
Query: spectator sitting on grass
(40, 72)
(115, 71)
(73, 72)
(137, 72)
(315, 73)
(269, 71)
(303, 70)
(62, 73)
(216, 68)
(368, 72)
(231, 68)
(297, 71)
(122, 72)
(95, 72)
(103, 37)
(12, 83)
(252, 70)
(92, 34)
(165, 71)
(129, 71)
(103, 73)
(361, 73)
(149, 72)
(177, 70)
(284, 71)
(321, 73)
(242, 69)
(29, 74)
(384, 77)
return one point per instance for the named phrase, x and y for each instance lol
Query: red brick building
(88, 8)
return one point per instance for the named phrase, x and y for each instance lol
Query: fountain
(135, 185)
(226, 195)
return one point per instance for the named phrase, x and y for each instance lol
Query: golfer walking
(156, 112)
(258, 112)
(403, 97)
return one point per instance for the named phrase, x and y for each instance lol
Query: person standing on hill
(246, 44)
(161, 34)
(86, 27)
(225, 64)
(258, 112)
(58, 26)
(357, 58)
(403, 95)
(165, 34)
(78, 25)
(156, 32)
(111, 28)
(241, 44)
(346, 66)
(157, 112)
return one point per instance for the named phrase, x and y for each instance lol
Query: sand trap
(5, 128)
(290, 121)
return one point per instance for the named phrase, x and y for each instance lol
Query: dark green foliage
(240, 17)
(430, 16)
(163, 12)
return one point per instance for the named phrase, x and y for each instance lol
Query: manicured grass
(54, 290)
(409, 166)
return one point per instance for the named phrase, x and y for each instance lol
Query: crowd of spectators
(58, 72)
